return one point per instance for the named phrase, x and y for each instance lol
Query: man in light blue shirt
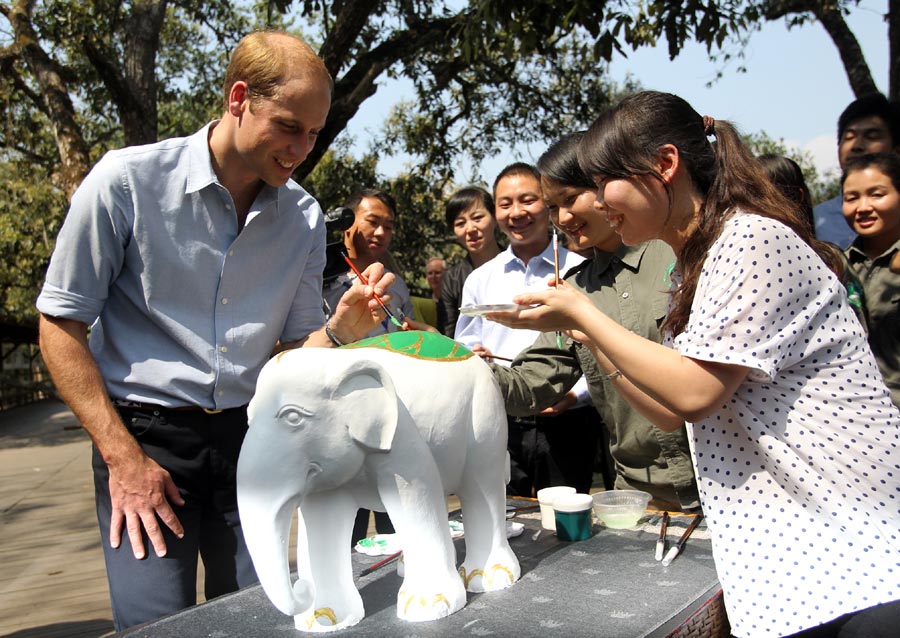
(868, 125)
(191, 260)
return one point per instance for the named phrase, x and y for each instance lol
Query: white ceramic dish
(483, 309)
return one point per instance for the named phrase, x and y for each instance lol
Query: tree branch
(73, 151)
(851, 53)
(349, 24)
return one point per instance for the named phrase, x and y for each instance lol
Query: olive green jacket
(881, 289)
(630, 287)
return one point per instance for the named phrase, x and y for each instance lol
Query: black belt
(153, 407)
(528, 421)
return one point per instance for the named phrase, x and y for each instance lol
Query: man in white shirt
(544, 451)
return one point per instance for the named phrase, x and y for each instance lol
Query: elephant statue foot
(492, 577)
(393, 423)
(324, 619)
(431, 603)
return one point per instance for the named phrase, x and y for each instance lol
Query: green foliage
(486, 74)
(338, 175)
(821, 187)
(31, 212)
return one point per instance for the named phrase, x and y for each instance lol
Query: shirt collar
(200, 173)
(509, 257)
(855, 254)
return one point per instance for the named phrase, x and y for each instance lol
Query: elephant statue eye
(293, 415)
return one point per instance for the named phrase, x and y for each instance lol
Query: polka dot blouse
(799, 472)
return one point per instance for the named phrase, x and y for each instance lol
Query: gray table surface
(607, 586)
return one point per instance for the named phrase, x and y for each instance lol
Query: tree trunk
(858, 73)
(73, 150)
(893, 20)
(132, 82)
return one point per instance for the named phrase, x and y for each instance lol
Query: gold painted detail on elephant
(321, 612)
(467, 578)
(417, 344)
(488, 580)
(408, 600)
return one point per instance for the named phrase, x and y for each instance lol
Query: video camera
(337, 220)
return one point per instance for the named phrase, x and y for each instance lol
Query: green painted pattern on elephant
(418, 344)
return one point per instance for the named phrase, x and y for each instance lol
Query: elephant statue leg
(490, 563)
(431, 587)
(327, 518)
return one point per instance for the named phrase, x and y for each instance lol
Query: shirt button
(220, 393)
(224, 348)
(231, 253)
(625, 295)
(224, 301)
(227, 206)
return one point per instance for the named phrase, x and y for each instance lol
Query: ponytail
(623, 142)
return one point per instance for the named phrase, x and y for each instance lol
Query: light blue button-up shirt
(184, 309)
(830, 223)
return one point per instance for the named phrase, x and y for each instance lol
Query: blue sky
(794, 88)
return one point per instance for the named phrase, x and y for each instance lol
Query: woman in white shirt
(794, 437)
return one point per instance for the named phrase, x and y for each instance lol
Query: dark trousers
(200, 452)
(547, 451)
(880, 621)
(383, 525)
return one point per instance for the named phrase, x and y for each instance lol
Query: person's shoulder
(829, 205)
(399, 287)
(569, 259)
(497, 262)
(155, 152)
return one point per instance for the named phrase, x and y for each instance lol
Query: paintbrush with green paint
(365, 282)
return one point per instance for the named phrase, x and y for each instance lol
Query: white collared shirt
(497, 282)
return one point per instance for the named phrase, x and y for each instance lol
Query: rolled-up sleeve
(90, 247)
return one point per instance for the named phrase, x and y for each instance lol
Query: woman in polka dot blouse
(795, 441)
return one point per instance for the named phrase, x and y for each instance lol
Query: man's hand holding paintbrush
(361, 308)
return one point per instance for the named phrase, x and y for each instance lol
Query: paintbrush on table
(679, 546)
(365, 282)
(661, 542)
(371, 568)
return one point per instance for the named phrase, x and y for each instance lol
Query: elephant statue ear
(367, 402)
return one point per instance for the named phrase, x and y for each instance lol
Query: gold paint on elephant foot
(419, 608)
(312, 621)
(497, 577)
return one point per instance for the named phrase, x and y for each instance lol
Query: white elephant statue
(393, 423)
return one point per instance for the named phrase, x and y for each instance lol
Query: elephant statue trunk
(268, 524)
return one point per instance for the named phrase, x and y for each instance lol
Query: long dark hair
(624, 142)
(787, 176)
(559, 163)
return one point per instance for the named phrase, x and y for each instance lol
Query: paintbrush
(679, 546)
(371, 568)
(661, 542)
(365, 282)
(559, 339)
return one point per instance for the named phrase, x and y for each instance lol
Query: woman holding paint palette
(794, 436)
(629, 283)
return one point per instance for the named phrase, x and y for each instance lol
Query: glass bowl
(619, 509)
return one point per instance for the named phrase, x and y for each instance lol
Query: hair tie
(709, 125)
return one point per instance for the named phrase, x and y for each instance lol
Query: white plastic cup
(545, 498)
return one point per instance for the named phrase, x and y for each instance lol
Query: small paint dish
(620, 509)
